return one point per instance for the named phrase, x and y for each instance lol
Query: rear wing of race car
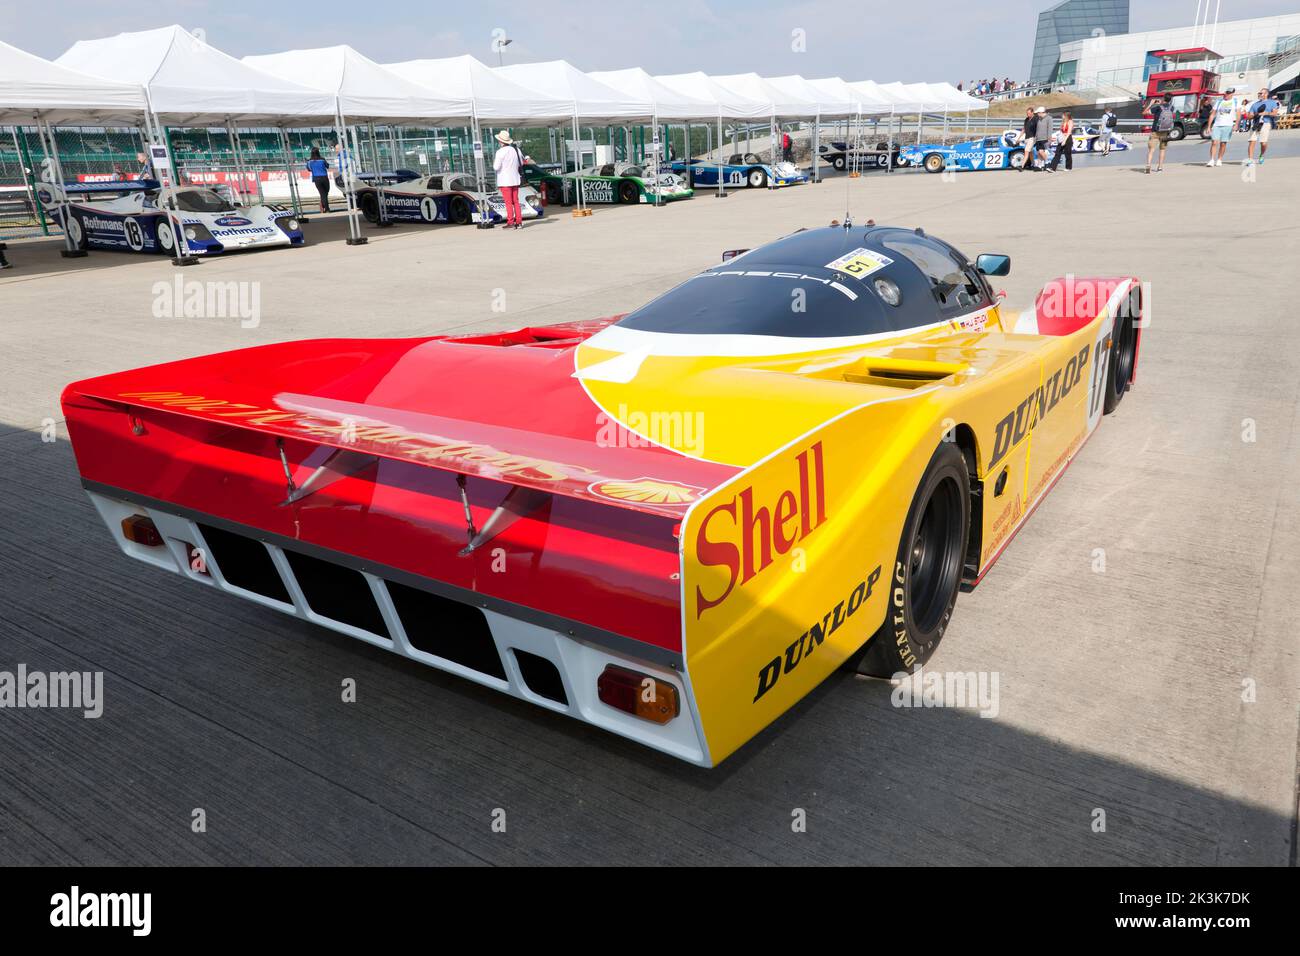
(112, 186)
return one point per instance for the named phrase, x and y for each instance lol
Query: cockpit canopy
(745, 159)
(824, 283)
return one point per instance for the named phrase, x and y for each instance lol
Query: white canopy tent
(30, 85)
(831, 102)
(728, 104)
(189, 83)
(37, 92)
(669, 104)
(591, 100)
(494, 99)
(781, 104)
(364, 92)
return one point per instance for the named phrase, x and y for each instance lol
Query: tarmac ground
(1143, 625)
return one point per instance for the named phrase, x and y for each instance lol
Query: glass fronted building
(1067, 22)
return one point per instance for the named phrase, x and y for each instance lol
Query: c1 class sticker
(860, 263)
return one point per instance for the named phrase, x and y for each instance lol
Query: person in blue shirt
(320, 177)
(1263, 114)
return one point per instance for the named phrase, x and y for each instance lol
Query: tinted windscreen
(814, 303)
(201, 200)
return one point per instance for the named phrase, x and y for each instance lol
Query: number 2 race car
(609, 183)
(671, 525)
(742, 169)
(134, 219)
(444, 197)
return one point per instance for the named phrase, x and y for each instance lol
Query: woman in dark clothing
(320, 177)
(1066, 148)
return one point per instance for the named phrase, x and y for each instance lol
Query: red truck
(1192, 87)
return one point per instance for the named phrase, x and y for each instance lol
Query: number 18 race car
(671, 525)
(134, 219)
(443, 197)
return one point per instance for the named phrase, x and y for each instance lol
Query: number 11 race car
(671, 525)
(135, 218)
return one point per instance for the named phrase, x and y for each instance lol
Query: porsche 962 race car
(608, 183)
(1003, 151)
(442, 197)
(747, 170)
(672, 524)
(134, 218)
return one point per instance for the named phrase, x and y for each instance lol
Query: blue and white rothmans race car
(443, 197)
(740, 170)
(130, 216)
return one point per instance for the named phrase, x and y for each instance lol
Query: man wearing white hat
(508, 164)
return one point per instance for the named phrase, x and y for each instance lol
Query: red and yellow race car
(672, 524)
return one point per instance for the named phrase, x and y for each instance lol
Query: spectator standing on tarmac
(1223, 118)
(1066, 148)
(1263, 114)
(1027, 130)
(1162, 122)
(787, 146)
(320, 177)
(1106, 130)
(508, 163)
(1042, 134)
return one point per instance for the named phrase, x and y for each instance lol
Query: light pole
(501, 45)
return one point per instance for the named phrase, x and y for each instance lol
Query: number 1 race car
(741, 169)
(608, 183)
(673, 524)
(134, 219)
(444, 197)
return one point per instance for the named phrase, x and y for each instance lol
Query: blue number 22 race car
(1003, 151)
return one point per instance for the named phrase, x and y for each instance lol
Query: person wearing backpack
(1106, 131)
(1162, 123)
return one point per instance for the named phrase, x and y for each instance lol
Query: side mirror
(733, 254)
(992, 264)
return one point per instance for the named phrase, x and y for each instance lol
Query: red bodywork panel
(596, 548)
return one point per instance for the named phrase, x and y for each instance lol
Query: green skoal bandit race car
(608, 183)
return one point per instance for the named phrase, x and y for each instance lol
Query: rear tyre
(933, 163)
(459, 212)
(627, 192)
(839, 163)
(369, 205)
(1123, 352)
(927, 570)
(757, 179)
(554, 194)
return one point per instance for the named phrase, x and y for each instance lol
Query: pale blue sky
(939, 40)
